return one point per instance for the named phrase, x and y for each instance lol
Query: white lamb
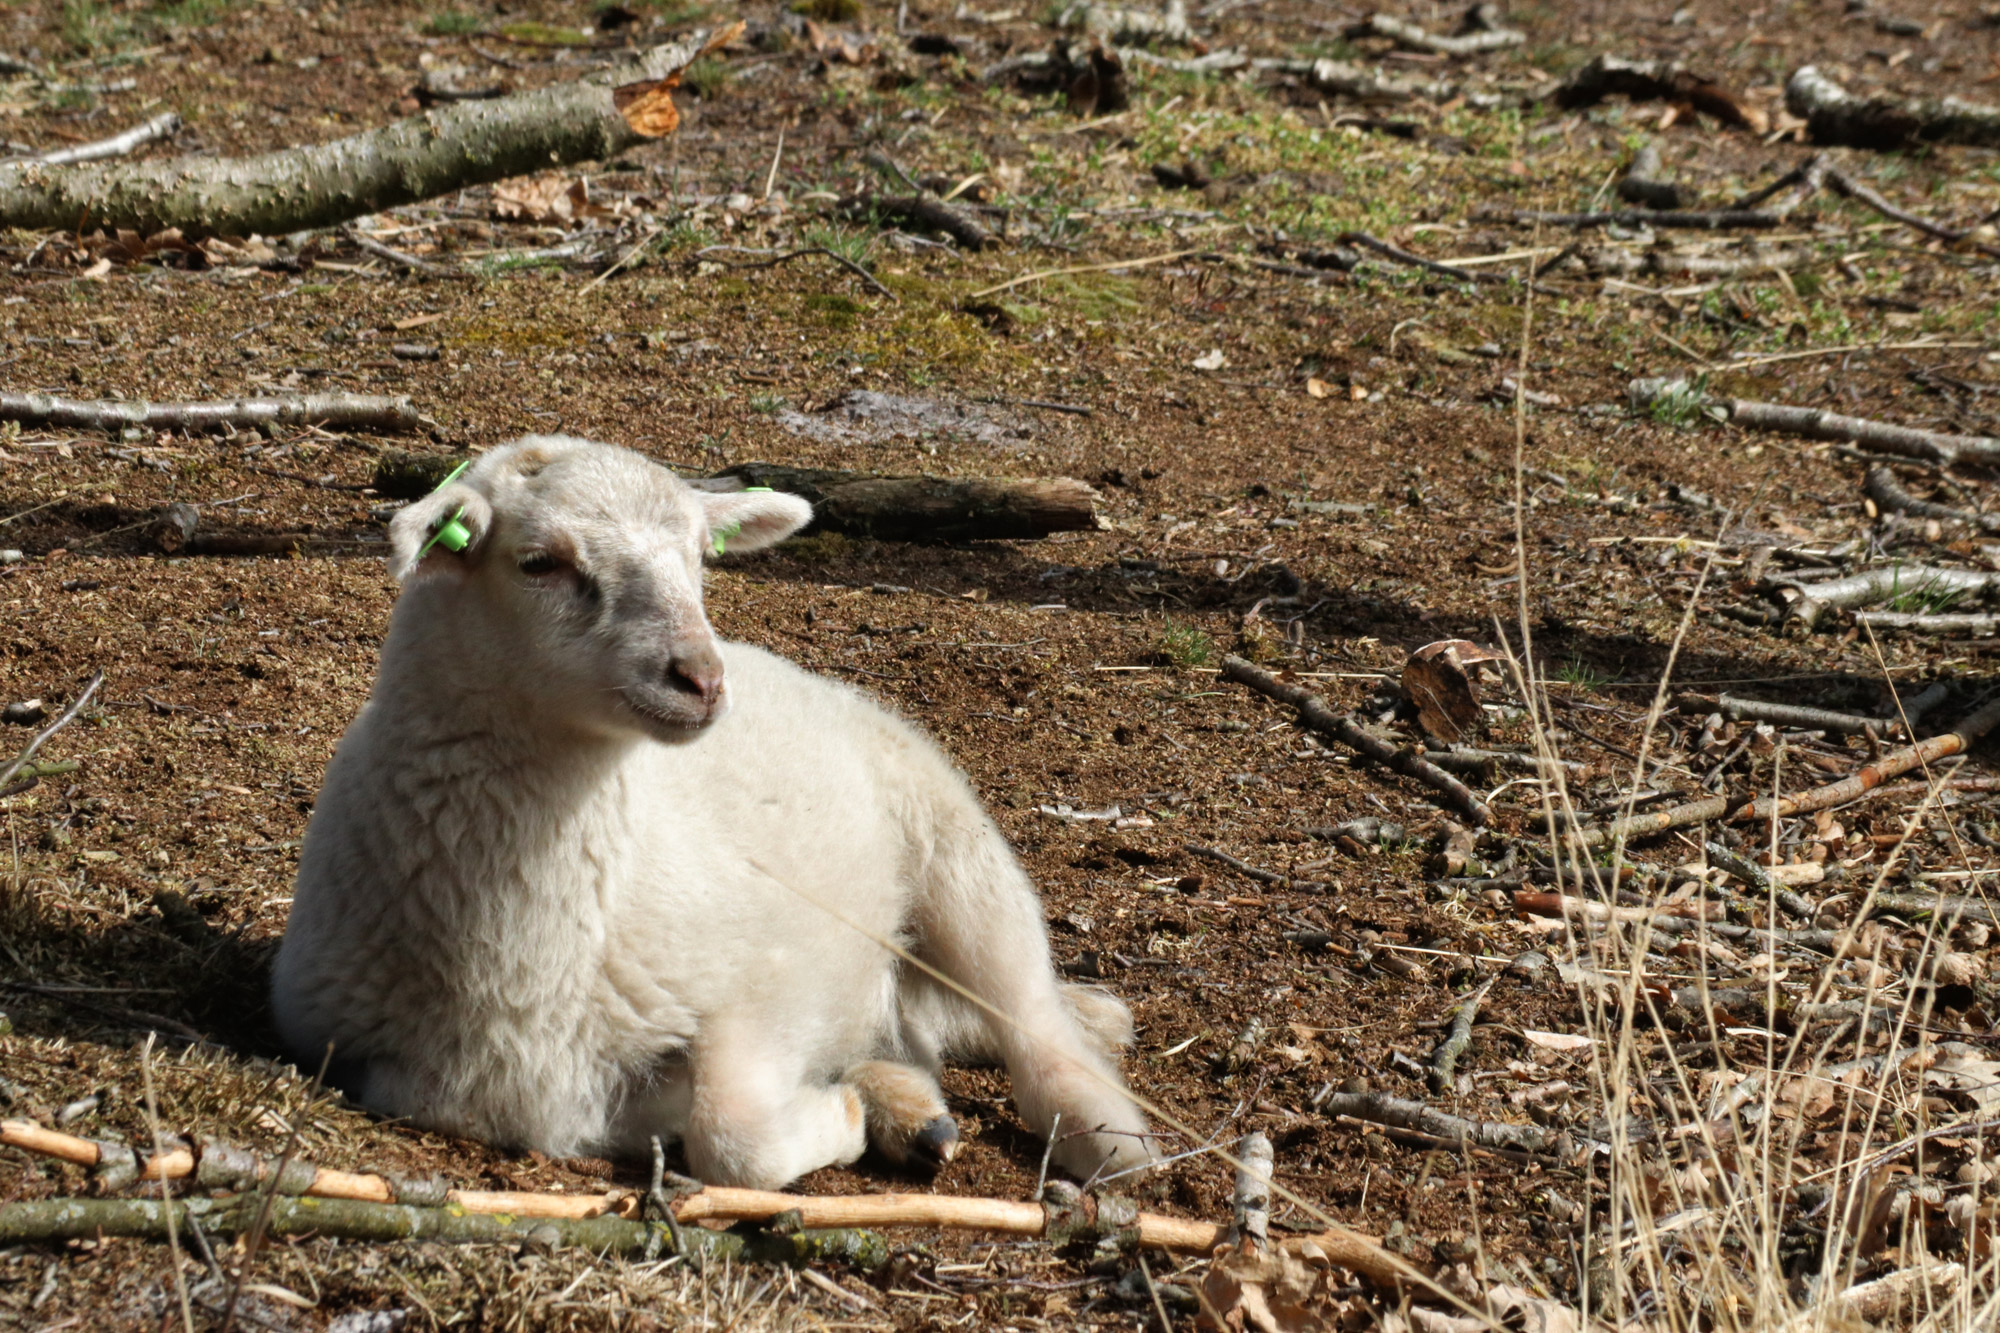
(559, 893)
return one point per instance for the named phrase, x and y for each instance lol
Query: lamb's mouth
(659, 719)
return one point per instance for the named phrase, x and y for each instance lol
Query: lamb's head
(580, 585)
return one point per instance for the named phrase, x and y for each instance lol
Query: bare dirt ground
(1313, 468)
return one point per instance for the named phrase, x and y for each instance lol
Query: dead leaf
(1318, 388)
(546, 198)
(1456, 850)
(1437, 680)
(1357, 393)
(649, 107)
(1558, 1041)
(1270, 1291)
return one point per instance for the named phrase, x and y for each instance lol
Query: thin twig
(166, 1190)
(787, 257)
(20, 761)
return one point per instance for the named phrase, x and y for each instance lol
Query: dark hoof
(935, 1144)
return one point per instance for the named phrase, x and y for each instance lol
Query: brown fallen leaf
(648, 106)
(1437, 680)
(546, 198)
(1271, 1291)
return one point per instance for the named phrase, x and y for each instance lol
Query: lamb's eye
(539, 564)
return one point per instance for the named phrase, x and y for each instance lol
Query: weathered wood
(1834, 115)
(345, 411)
(941, 509)
(320, 185)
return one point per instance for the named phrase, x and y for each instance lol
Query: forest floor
(1314, 468)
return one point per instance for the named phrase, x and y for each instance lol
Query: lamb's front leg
(756, 1122)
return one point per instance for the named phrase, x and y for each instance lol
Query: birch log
(320, 185)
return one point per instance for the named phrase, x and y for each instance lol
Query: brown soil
(149, 886)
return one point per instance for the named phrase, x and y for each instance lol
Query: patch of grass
(91, 25)
(829, 11)
(675, 12)
(1581, 675)
(453, 23)
(1680, 406)
(1928, 598)
(834, 310)
(767, 404)
(1185, 645)
(192, 13)
(853, 246)
(706, 77)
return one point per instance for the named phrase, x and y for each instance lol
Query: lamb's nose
(697, 669)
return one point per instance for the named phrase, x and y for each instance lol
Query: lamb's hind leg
(907, 1119)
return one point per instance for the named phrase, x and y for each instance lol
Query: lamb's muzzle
(582, 874)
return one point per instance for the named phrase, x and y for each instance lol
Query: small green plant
(835, 311)
(1681, 403)
(1929, 598)
(1581, 675)
(1186, 645)
(853, 246)
(453, 23)
(90, 25)
(706, 77)
(768, 404)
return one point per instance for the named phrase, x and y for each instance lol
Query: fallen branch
(1248, 871)
(444, 149)
(55, 1221)
(1813, 423)
(163, 126)
(1783, 715)
(1835, 116)
(1882, 583)
(1842, 183)
(1119, 25)
(1062, 1219)
(1659, 80)
(1721, 219)
(68, 715)
(1948, 622)
(1251, 1214)
(919, 212)
(1401, 1113)
(342, 411)
(176, 533)
(1314, 712)
(1407, 34)
(1674, 264)
(1889, 496)
(1934, 906)
(1341, 78)
(1645, 184)
(1870, 778)
(1444, 1060)
(941, 509)
(1402, 256)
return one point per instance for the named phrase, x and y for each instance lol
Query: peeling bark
(320, 185)
(345, 411)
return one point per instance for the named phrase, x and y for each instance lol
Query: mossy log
(936, 509)
(52, 1221)
(444, 149)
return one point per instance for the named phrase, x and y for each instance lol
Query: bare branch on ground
(1833, 115)
(343, 411)
(444, 149)
(163, 126)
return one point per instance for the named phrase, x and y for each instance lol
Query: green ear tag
(451, 534)
(721, 536)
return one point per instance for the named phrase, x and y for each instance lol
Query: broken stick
(1894, 764)
(1314, 713)
(163, 126)
(345, 411)
(1813, 423)
(444, 149)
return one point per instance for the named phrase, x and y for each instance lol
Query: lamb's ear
(412, 531)
(752, 520)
